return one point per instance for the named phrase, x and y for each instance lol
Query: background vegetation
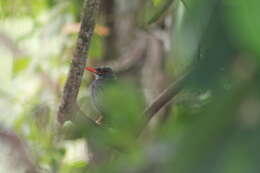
(211, 125)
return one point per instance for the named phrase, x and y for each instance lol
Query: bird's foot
(99, 120)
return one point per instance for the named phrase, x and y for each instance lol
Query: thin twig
(71, 89)
(163, 99)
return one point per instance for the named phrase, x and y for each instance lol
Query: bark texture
(71, 89)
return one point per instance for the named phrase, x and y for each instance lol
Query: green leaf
(156, 2)
(78, 164)
(244, 23)
(21, 64)
(160, 10)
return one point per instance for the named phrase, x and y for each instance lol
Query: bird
(104, 76)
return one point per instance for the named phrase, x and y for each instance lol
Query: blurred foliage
(159, 8)
(213, 125)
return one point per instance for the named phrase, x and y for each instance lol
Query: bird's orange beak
(91, 69)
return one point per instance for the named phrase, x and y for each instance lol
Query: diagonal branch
(167, 95)
(71, 89)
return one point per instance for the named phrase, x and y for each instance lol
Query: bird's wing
(97, 92)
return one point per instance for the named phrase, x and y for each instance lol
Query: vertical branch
(125, 23)
(71, 89)
(153, 77)
(110, 49)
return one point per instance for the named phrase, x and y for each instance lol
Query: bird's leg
(99, 120)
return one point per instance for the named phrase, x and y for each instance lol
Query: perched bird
(99, 151)
(103, 77)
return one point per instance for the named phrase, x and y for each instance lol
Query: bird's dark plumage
(104, 76)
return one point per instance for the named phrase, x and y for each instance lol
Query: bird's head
(101, 72)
